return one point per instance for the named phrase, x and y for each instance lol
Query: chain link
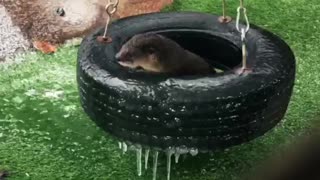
(243, 30)
(224, 18)
(111, 8)
(242, 11)
(224, 8)
(244, 50)
(241, 3)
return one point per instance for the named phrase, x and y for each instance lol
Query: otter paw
(44, 47)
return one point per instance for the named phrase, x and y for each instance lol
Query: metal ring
(245, 16)
(112, 5)
(112, 11)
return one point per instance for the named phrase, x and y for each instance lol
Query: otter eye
(60, 11)
(139, 68)
(151, 50)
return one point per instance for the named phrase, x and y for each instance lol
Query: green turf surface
(44, 133)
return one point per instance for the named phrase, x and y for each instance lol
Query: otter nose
(122, 54)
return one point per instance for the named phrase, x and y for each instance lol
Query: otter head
(143, 51)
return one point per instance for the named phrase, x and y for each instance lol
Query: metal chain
(224, 8)
(243, 11)
(110, 8)
(224, 18)
(241, 3)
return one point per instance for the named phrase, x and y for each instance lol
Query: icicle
(177, 156)
(125, 147)
(139, 163)
(155, 164)
(169, 155)
(146, 159)
(120, 145)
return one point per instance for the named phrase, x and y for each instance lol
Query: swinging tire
(206, 113)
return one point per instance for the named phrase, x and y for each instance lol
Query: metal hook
(111, 8)
(224, 18)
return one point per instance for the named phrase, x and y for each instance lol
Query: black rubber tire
(207, 113)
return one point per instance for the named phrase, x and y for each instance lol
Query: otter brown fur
(47, 23)
(3, 174)
(158, 54)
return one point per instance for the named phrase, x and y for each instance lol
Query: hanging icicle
(146, 158)
(139, 158)
(155, 164)
(170, 152)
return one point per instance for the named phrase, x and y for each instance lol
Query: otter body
(158, 54)
(3, 175)
(300, 161)
(45, 24)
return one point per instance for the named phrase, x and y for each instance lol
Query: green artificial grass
(44, 134)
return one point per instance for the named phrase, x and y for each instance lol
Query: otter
(44, 25)
(298, 161)
(155, 53)
(3, 174)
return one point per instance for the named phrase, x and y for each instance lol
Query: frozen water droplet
(146, 159)
(169, 155)
(156, 119)
(228, 106)
(194, 151)
(139, 163)
(177, 156)
(167, 138)
(155, 164)
(124, 147)
(182, 150)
